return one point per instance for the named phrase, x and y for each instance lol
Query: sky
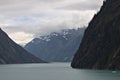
(24, 20)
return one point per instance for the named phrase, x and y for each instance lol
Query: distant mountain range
(58, 46)
(11, 53)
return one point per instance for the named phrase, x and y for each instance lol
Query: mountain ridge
(57, 46)
(100, 46)
(12, 53)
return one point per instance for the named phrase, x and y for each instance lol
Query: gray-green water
(53, 71)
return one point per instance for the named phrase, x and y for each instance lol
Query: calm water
(53, 71)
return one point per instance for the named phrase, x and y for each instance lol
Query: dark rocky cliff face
(11, 53)
(100, 46)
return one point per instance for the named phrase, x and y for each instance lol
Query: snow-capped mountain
(58, 46)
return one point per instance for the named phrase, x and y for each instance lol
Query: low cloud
(41, 17)
(21, 37)
(81, 6)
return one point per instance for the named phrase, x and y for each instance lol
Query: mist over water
(53, 71)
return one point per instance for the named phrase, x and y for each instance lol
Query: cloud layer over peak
(40, 17)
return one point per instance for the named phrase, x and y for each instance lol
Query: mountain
(11, 53)
(58, 46)
(100, 46)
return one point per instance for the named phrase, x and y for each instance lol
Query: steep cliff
(11, 53)
(100, 46)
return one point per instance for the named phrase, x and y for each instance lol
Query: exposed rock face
(11, 53)
(100, 46)
(58, 46)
